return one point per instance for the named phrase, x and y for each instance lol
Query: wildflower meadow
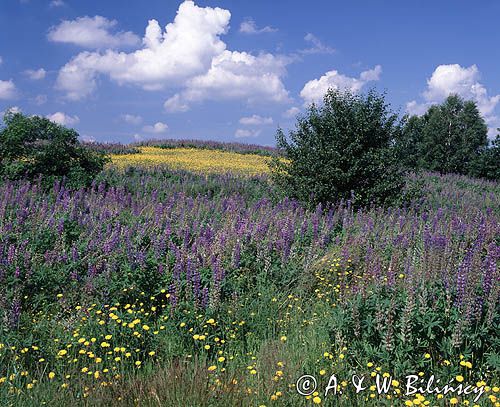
(249, 204)
(165, 286)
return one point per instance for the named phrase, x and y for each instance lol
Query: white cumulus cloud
(157, 128)
(57, 3)
(131, 119)
(188, 56)
(455, 79)
(416, 108)
(184, 49)
(35, 74)
(175, 104)
(63, 119)
(292, 112)
(236, 75)
(91, 32)
(245, 133)
(463, 81)
(317, 46)
(40, 99)
(256, 120)
(315, 89)
(87, 139)
(11, 110)
(7, 90)
(249, 27)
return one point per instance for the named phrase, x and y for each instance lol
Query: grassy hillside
(166, 287)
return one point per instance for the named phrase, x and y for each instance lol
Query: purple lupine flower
(15, 314)
(204, 298)
(11, 254)
(172, 290)
(236, 255)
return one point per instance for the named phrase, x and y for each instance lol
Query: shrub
(341, 150)
(34, 146)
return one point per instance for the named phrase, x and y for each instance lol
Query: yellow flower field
(196, 160)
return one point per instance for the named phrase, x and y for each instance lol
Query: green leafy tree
(408, 144)
(487, 163)
(447, 138)
(33, 145)
(341, 150)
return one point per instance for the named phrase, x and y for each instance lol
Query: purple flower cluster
(180, 235)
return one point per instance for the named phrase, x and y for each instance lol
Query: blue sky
(235, 70)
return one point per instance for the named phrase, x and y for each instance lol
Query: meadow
(193, 159)
(182, 278)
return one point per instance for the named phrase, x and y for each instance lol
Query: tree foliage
(487, 163)
(31, 146)
(341, 150)
(448, 138)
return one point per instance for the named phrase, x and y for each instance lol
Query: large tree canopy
(33, 145)
(341, 150)
(447, 138)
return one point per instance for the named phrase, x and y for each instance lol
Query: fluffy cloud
(7, 90)
(188, 55)
(455, 79)
(40, 99)
(235, 75)
(175, 104)
(57, 3)
(157, 128)
(416, 108)
(91, 32)
(244, 133)
(463, 81)
(292, 112)
(87, 139)
(35, 74)
(317, 46)
(131, 119)
(315, 89)
(12, 110)
(63, 119)
(249, 27)
(184, 49)
(256, 120)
